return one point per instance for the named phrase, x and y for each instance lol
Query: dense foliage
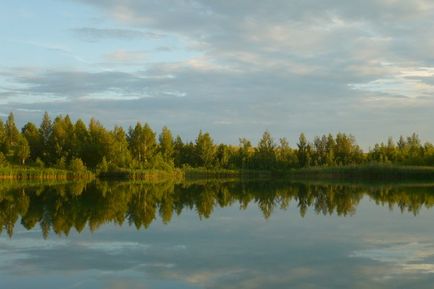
(62, 144)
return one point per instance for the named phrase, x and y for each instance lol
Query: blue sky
(233, 68)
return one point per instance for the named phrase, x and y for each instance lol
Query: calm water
(216, 235)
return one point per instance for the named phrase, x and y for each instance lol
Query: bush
(103, 166)
(61, 163)
(3, 160)
(39, 163)
(77, 165)
(159, 163)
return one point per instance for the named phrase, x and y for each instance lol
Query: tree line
(62, 143)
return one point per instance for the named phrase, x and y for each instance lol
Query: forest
(62, 144)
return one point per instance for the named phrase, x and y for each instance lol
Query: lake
(215, 234)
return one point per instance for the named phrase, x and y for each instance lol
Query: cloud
(114, 248)
(304, 38)
(293, 63)
(96, 34)
(309, 38)
(77, 84)
(287, 66)
(407, 258)
(178, 94)
(408, 84)
(126, 57)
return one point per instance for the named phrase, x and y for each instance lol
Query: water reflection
(63, 207)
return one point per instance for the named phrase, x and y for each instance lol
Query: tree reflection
(59, 208)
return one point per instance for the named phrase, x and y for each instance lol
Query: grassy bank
(204, 173)
(32, 173)
(151, 175)
(375, 172)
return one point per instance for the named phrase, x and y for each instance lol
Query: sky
(233, 68)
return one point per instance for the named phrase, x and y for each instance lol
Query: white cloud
(407, 258)
(291, 66)
(94, 34)
(408, 82)
(123, 56)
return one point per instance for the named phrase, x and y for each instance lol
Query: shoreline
(349, 173)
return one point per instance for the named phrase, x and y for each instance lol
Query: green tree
(391, 150)
(119, 154)
(21, 150)
(244, 153)
(142, 143)
(189, 155)
(330, 149)
(103, 166)
(69, 145)
(12, 134)
(304, 152)
(98, 145)
(77, 166)
(166, 145)
(415, 149)
(178, 148)
(2, 137)
(45, 130)
(265, 155)
(222, 156)
(319, 154)
(205, 150)
(285, 155)
(60, 138)
(31, 133)
(150, 143)
(347, 151)
(80, 140)
(3, 162)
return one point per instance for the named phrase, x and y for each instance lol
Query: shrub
(77, 165)
(3, 160)
(61, 163)
(103, 166)
(39, 163)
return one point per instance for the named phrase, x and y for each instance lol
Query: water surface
(216, 235)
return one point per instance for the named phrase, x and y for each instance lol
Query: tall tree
(178, 147)
(2, 137)
(21, 150)
(142, 143)
(11, 132)
(99, 144)
(244, 153)
(285, 155)
(205, 149)
(81, 139)
(414, 148)
(265, 155)
(319, 150)
(59, 139)
(31, 133)
(119, 154)
(166, 145)
(330, 148)
(45, 130)
(347, 151)
(304, 151)
(222, 156)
